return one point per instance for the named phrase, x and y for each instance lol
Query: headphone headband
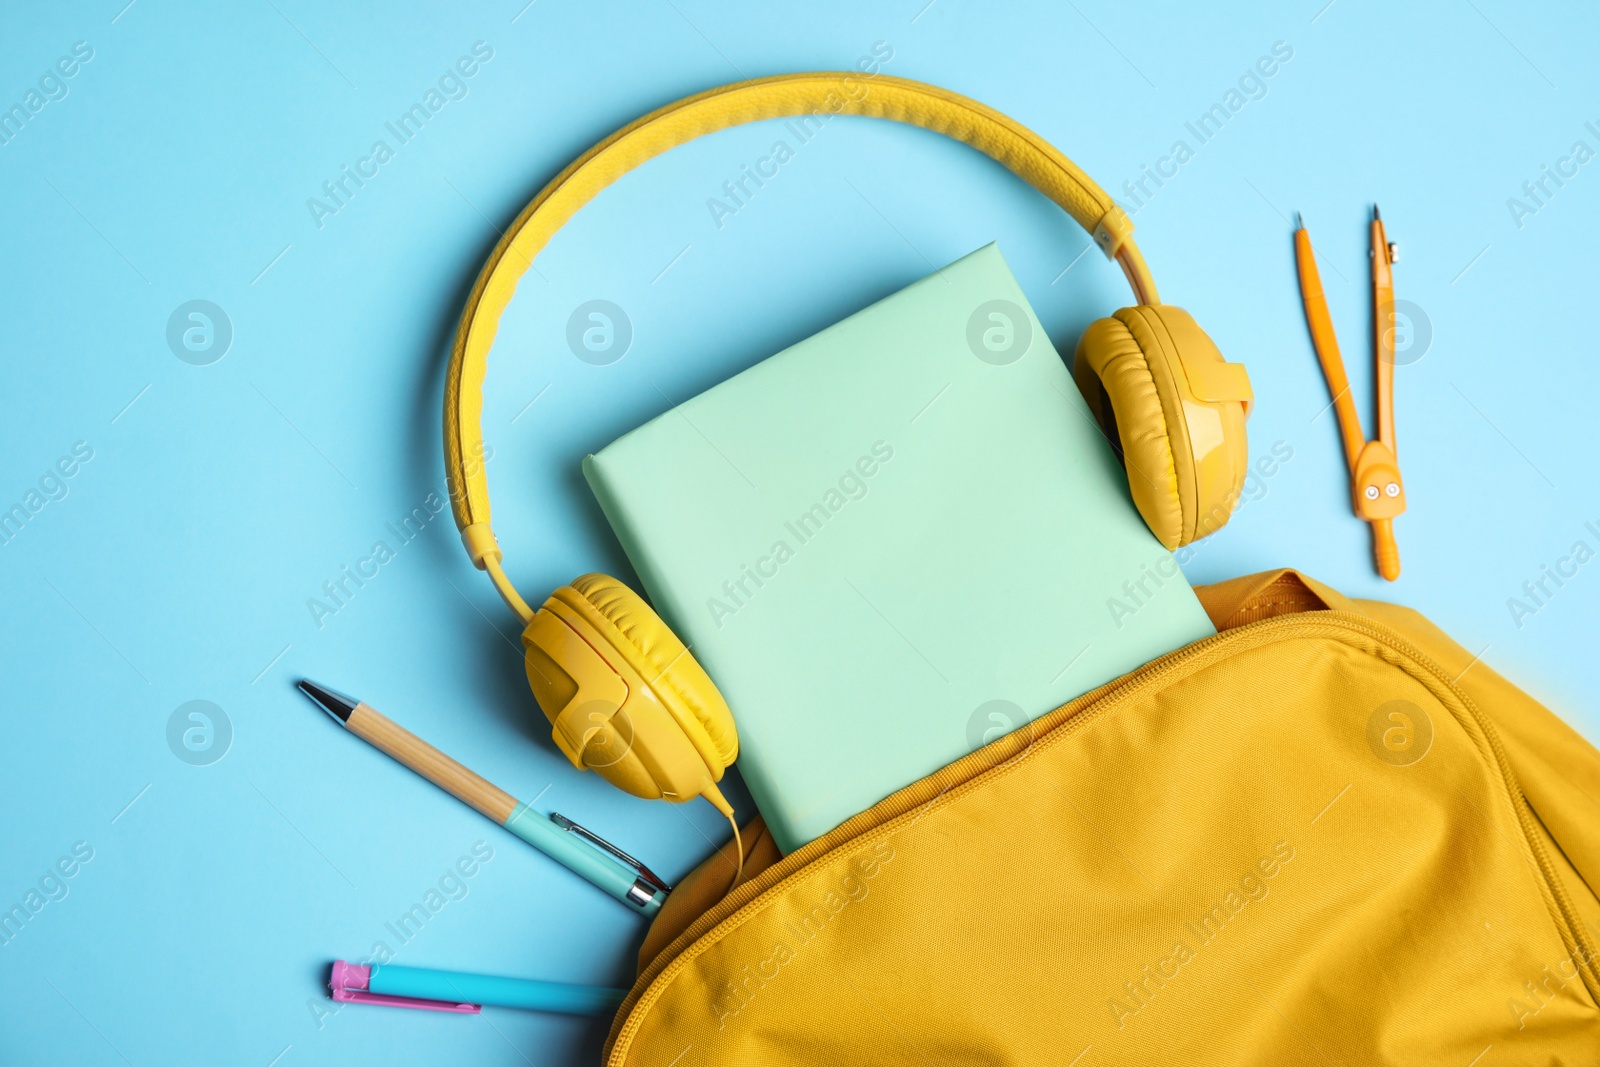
(835, 93)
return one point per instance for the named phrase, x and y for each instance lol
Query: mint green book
(892, 543)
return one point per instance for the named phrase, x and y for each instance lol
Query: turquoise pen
(456, 991)
(560, 838)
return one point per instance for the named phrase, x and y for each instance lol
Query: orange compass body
(1377, 492)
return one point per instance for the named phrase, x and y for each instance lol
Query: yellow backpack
(1327, 835)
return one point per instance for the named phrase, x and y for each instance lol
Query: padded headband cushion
(667, 666)
(1124, 370)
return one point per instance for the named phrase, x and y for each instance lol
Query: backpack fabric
(1327, 835)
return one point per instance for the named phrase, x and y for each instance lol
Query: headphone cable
(718, 801)
(738, 870)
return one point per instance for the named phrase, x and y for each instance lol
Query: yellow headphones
(624, 696)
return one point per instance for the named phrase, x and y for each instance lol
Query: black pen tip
(336, 704)
(1377, 216)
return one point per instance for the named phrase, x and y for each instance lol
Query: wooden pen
(561, 839)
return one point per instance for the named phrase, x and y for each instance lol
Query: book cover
(893, 542)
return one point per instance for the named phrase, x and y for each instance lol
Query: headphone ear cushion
(1162, 390)
(1123, 387)
(667, 665)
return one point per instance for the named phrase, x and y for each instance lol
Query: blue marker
(455, 991)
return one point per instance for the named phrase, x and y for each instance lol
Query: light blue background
(179, 564)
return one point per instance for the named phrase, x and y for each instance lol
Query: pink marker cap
(349, 984)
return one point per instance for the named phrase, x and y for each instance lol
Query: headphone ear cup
(1184, 449)
(620, 702)
(1115, 377)
(612, 748)
(667, 666)
(593, 721)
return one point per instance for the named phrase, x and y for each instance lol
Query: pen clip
(349, 986)
(606, 846)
